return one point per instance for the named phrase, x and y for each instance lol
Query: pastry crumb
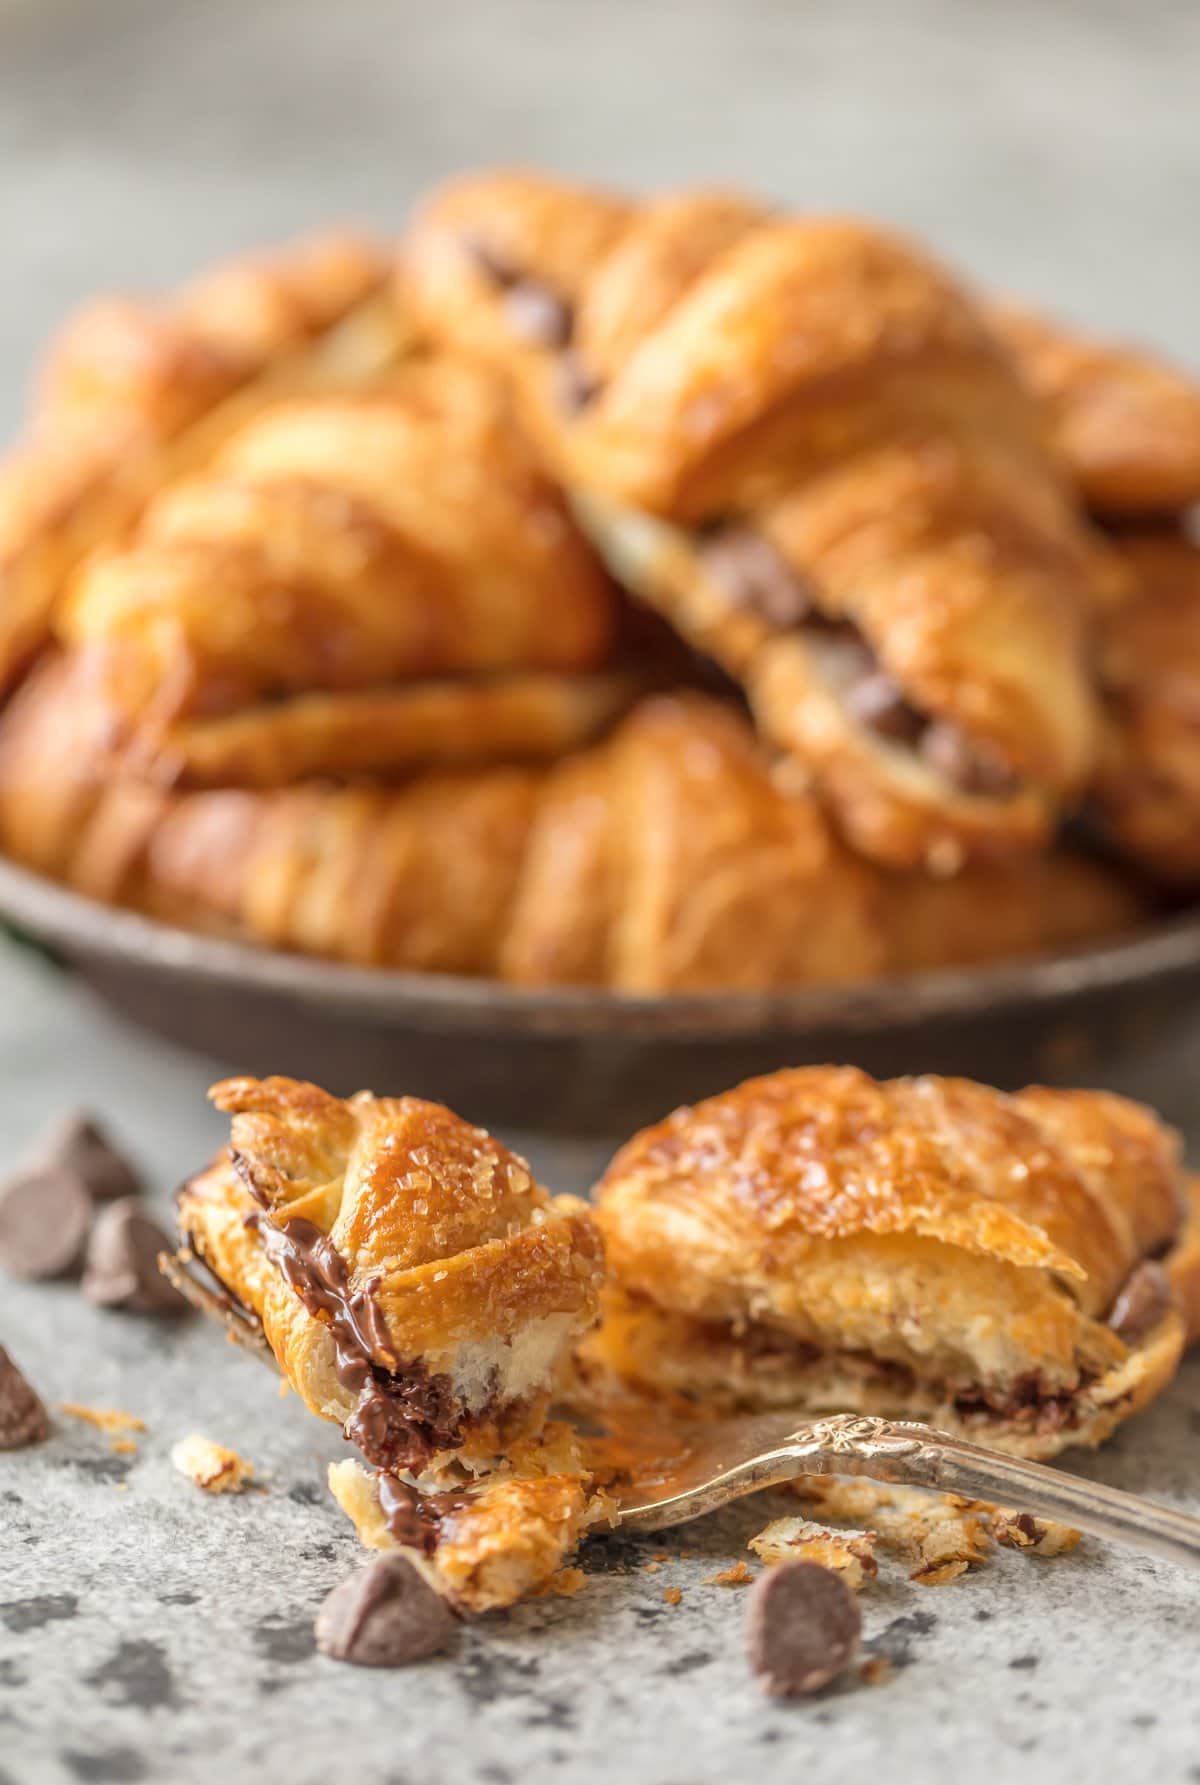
(564, 1584)
(848, 1553)
(284, 1389)
(105, 1419)
(211, 1466)
(941, 1535)
(661, 1555)
(124, 1446)
(651, 1567)
(875, 1671)
(673, 1595)
(1034, 1536)
(737, 1576)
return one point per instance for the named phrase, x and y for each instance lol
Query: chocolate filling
(1142, 1302)
(404, 1412)
(758, 579)
(413, 1518)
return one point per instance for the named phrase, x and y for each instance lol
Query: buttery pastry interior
(418, 1287)
(663, 596)
(1019, 1269)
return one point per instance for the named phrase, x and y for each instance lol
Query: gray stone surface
(149, 1634)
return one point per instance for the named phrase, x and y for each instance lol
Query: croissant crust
(922, 1245)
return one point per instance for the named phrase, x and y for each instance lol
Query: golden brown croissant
(357, 541)
(136, 394)
(414, 1282)
(665, 859)
(1125, 423)
(418, 1287)
(1147, 790)
(802, 442)
(998, 1264)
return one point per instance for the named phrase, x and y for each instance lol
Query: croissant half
(418, 1287)
(801, 440)
(1014, 1268)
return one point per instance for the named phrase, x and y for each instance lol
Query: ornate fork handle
(894, 1450)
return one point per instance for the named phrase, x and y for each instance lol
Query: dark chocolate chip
(949, 751)
(383, 1616)
(803, 1626)
(23, 1418)
(576, 385)
(44, 1217)
(1141, 1304)
(122, 1262)
(878, 703)
(755, 577)
(537, 314)
(78, 1142)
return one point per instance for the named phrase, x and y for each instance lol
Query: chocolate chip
(537, 314)
(803, 1627)
(1141, 1304)
(755, 576)
(576, 386)
(878, 703)
(383, 1616)
(949, 751)
(122, 1262)
(23, 1418)
(44, 1217)
(79, 1143)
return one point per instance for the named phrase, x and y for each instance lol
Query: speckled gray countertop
(147, 1633)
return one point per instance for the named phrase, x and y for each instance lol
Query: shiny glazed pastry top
(802, 441)
(1016, 1268)
(414, 1282)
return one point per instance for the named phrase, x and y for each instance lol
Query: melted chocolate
(404, 1413)
(413, 1518)
(758, 579)
(1143, 1301)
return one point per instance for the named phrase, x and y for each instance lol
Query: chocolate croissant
(418, 1287)
(667, 858)
(1146, 794)
(136, 394)
(1125, 423)
(415, 1283)
(802, 442)
(1003, 1266)
(358, 541)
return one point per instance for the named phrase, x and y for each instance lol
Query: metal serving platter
(594, 1062)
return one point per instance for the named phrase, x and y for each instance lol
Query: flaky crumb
(211, 1466)
(737, 1576)
(651, 1567)
(124, 1446)
(942, 1534)
(284, 1389)
(848, 1553)
(563, 1585)
(1035, 1536)
(672, 1595)
(875, 1671)
(105, 1419)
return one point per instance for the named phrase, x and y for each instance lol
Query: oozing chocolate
(757, 578)
(1143, 1301)
(404, 1412)
(415, 1519)
(533, 310)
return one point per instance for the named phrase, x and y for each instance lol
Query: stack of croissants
(661, 595)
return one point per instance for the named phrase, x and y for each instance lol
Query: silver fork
(732, 1457)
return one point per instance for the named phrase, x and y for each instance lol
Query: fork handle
(901, 1451)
